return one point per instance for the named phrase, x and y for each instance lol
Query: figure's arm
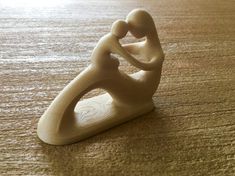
(118, 49)
(133, 48)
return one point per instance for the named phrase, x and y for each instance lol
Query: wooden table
(43, 46)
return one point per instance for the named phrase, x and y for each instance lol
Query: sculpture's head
(140, 23)
(119, 29)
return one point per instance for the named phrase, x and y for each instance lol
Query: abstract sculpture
(68, 120)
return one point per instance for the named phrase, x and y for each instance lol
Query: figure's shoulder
(105, 40)
(105, 37)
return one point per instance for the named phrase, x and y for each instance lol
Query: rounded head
(119, 28)
(140, 23)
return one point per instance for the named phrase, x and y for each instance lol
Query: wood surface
(45, 45)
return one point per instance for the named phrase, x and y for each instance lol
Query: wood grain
(191, 131)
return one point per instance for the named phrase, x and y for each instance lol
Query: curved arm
(118, 49)
(133, 48)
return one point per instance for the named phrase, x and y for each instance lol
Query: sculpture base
(92, 116)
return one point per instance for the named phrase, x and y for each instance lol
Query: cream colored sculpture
(68, 120)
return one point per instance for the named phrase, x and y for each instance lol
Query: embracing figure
(68, 120)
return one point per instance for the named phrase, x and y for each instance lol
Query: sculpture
(68, 120)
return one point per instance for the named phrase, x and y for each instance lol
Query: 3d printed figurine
(68, 120)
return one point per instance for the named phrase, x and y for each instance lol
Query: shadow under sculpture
(68, 120)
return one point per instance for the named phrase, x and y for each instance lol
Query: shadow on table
(110, 150)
